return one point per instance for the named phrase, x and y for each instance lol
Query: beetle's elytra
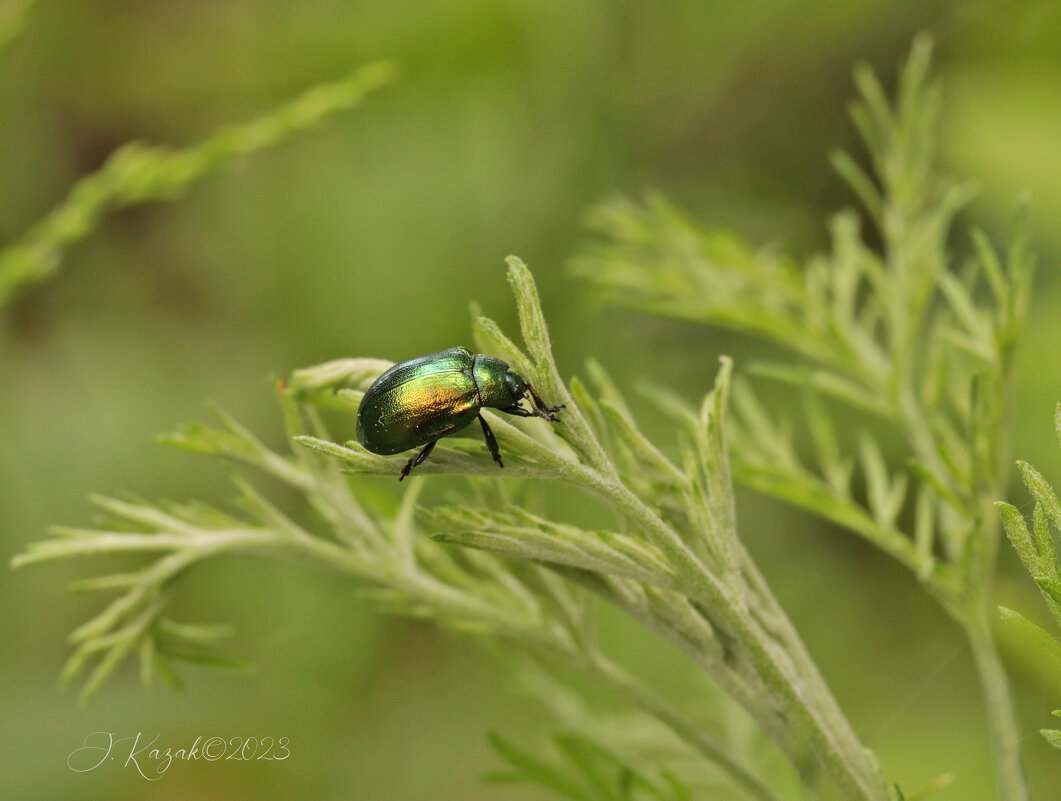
(418, 402)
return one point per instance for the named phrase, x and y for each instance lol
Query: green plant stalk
(1005, 735)
(777, 626)
(137, 173)
(994, 683)
(821, 729)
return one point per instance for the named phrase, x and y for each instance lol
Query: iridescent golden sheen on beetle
(419, 401)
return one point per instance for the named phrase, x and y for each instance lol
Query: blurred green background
(369, 237)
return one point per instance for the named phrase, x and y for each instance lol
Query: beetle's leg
(491, 442)
(518, 411)
(541, 410)
(418, 459)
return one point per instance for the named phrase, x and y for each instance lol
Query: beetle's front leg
(540, 409)
(518, 411)
(418, 459)
(491, 442)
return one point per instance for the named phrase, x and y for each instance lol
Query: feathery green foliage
(588, 771)
(673, 561)
(137, 173)
(903, 335)
(1039, 555)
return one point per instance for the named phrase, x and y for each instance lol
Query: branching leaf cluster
(918, 342)
(899, 335)
(672, 561)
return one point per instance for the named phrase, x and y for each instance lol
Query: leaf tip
(923, 45)
(725, 369)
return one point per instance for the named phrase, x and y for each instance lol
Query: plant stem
(1001, 716)
(777, 625)
(798, 696)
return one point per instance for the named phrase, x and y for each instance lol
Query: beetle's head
(516, 385)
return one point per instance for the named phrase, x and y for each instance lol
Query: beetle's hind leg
(491, 441)
(418, 459)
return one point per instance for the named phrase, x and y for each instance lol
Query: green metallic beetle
(422, 400)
